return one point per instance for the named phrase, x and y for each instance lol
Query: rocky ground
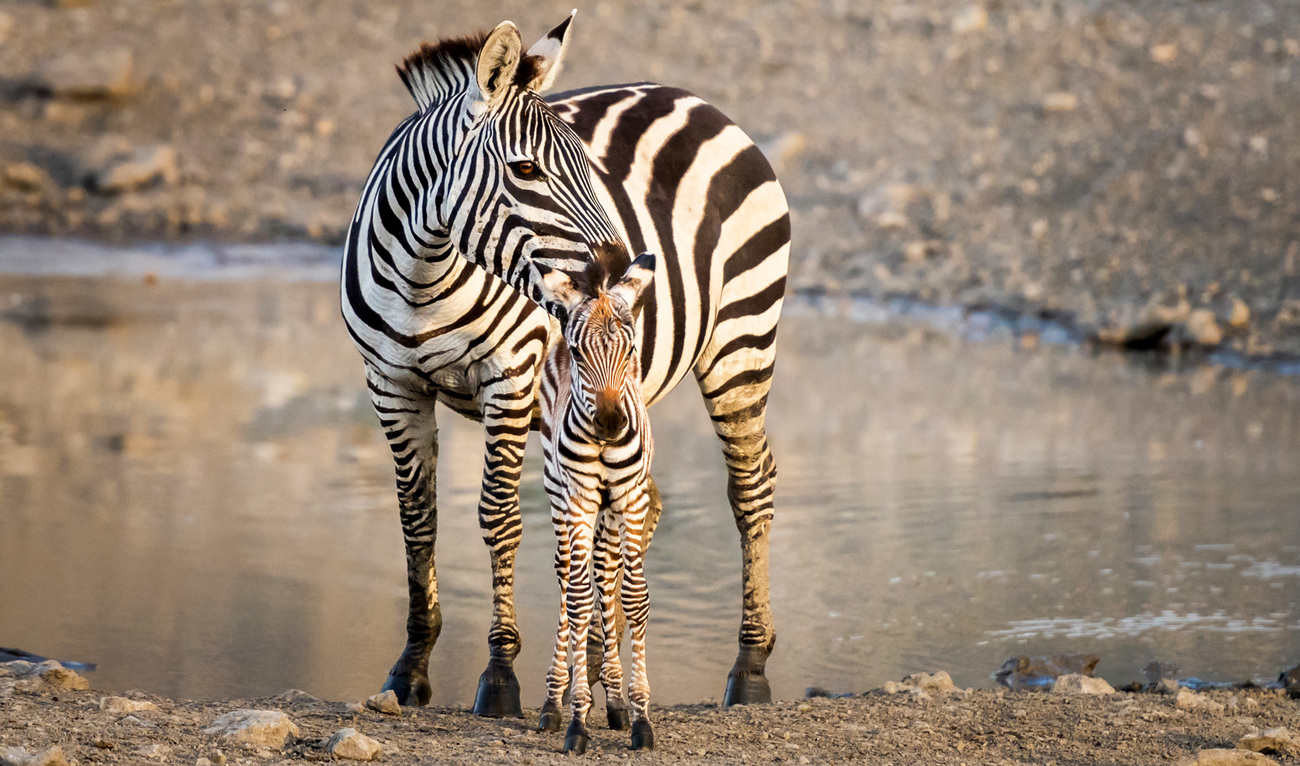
(1126, 167)
(48, 717)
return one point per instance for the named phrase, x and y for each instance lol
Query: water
(195, 495)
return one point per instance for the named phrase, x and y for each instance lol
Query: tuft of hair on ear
(591, 280)
(422, 69)
(530, 68)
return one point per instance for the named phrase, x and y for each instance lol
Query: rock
(1186, 699)
(1077, 683)
(101, 74)
(1060, 101)
(1164, 54)
(18, 756)
(117, 705)
(1167, 686)
(136, 721)
(972, 18)
(1277, 740)
(1025, 672)
(53, 673)
(1203, 329)
(141, 167)
(887, 205)
(1224, 757)
(1240, 314)
(353, 745)
(936, 683)
(295, 695)
(266, 728)
(26, 176)
(6, 25)
(155, 750)
(816, 692)
(385, 702)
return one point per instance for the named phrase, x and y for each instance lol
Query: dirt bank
(1127, 167)
(959, 727)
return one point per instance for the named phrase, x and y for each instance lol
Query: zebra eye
(527, 170)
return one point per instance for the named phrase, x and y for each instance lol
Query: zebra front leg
(412, 432)
(557, 676)
(506, 430)
(605, 647)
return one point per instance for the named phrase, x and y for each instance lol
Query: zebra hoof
(498, 694)
(643, 736)
(412, 689)
(746, 689)
(551, 718)
(618, 717)
(576, 739)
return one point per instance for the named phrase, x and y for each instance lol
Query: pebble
(98, 74)
(266, 728)
(6, 25)
(1277, 740)
(1061, 101)
(921, 685)
(26, 176)
(156, 750)
(1203, 329)
(18, 756)
(353, 745)
(1077, 683)
(141, 167)
(295, 695)
(1225, 757)
(384, 702)
(1167, 686)
(972, 18)
(1164, 54)
(123, 705)
(1186, 699)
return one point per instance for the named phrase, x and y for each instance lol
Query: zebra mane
(435, 71)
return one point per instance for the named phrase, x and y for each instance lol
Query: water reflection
(194, 494)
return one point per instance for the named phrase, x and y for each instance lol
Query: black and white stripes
(488, 191)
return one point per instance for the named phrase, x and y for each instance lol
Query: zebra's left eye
(527, 170)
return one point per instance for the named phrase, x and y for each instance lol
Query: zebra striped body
(598, 448)
(442, 245)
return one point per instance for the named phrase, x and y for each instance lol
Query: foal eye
(527, 170)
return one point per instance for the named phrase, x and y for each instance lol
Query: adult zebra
(487, 190)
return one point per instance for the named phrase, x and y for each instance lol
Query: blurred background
(986, 197)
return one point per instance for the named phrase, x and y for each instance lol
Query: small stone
(385, 702)
(26, 176)
(972, 18)
(102, 74)
(132, 720)
(1061, 101)
(289, 695)
(266, 728)
(938, 683)
(1077, 683)
(6, 25)
(117, 705)
(1164, 54)
(140, 168)
(1240, 316)
(1278, 740)
(1203, 329)
(1167, 686)
(18, 756)
(155, 750)
(203, 761)
(894, 687)
(1225, 757)
(816, 692)
(54, 674)
(353, 745)
(1186, 699)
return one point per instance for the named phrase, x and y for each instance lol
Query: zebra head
(604, 369)
(517, 188)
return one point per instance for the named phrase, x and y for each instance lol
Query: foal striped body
(477, 195)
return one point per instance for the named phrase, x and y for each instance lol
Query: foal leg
(579, 603)
(636, 602)
(607, 569)
(557, 676)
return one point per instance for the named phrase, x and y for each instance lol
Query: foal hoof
(576, 739)
(643, 737)
(747, 689)
(498, 694)
(619, 719)
(551, 719)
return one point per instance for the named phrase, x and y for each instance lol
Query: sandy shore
(936, 727)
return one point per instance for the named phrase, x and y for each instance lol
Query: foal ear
(547, 56)
(631, 288)
(498, 60)
(556, 292)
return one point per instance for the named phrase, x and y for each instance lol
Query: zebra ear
(556, 292)
(547, 56)
(498, 60)
(631, 288)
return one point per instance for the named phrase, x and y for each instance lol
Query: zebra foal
(597, 449)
